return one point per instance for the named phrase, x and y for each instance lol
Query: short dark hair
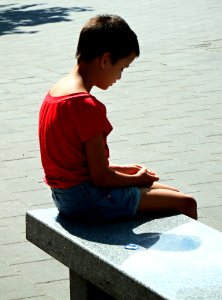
(106, 33)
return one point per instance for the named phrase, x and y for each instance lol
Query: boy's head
(106, 34)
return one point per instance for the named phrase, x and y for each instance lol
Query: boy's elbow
(99, 179)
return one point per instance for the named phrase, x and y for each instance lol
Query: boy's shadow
(122, 233)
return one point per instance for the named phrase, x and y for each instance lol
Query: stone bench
(177, 258)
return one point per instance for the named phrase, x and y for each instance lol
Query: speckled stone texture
(178, 258)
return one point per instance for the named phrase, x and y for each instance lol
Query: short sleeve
(90, 119)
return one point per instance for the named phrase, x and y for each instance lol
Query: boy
(73, 130)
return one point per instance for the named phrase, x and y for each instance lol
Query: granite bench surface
(178, 258)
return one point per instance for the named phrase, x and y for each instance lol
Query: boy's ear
(104, 59)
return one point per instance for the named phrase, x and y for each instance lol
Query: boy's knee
(190, 207)
(191, 201)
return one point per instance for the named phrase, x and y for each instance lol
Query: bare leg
(167, 201)
(157, 185)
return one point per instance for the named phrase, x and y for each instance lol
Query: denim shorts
(90, 202)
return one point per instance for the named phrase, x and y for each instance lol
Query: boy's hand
(134, 169)
(147, 177)
(152, 173)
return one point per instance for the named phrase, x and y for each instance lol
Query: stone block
(174, 251)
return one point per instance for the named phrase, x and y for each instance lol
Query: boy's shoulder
(81, 100)
(73, 96)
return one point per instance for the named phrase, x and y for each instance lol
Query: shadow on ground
(16, 18)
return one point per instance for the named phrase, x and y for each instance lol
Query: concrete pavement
(166, 112)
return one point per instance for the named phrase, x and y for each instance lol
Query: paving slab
(55, 289)
(167, 107)
(44, 274)
(18, 287)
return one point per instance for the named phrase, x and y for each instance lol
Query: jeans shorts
(90, 202)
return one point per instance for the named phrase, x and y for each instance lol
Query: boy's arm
(125, 169)
(104, 176)
(130, 169)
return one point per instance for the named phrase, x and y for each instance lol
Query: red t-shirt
(65, 124)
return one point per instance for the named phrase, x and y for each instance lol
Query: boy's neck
(86, 73)
(82, 78)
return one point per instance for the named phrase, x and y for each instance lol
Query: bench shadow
(122, 233)
(13, 16)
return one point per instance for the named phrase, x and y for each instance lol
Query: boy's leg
(157, 185)
(161, 201)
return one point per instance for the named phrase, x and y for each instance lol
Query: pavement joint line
(30, 262)
(19, 158)
(13, 178)
(43, 282)
(8, 244)
(27, 191)
(31, 297)
(204, 183)
(211, 206)
(157, 143)
(7, 276)
(11, 217)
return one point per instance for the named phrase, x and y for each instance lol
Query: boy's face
(112, 72)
